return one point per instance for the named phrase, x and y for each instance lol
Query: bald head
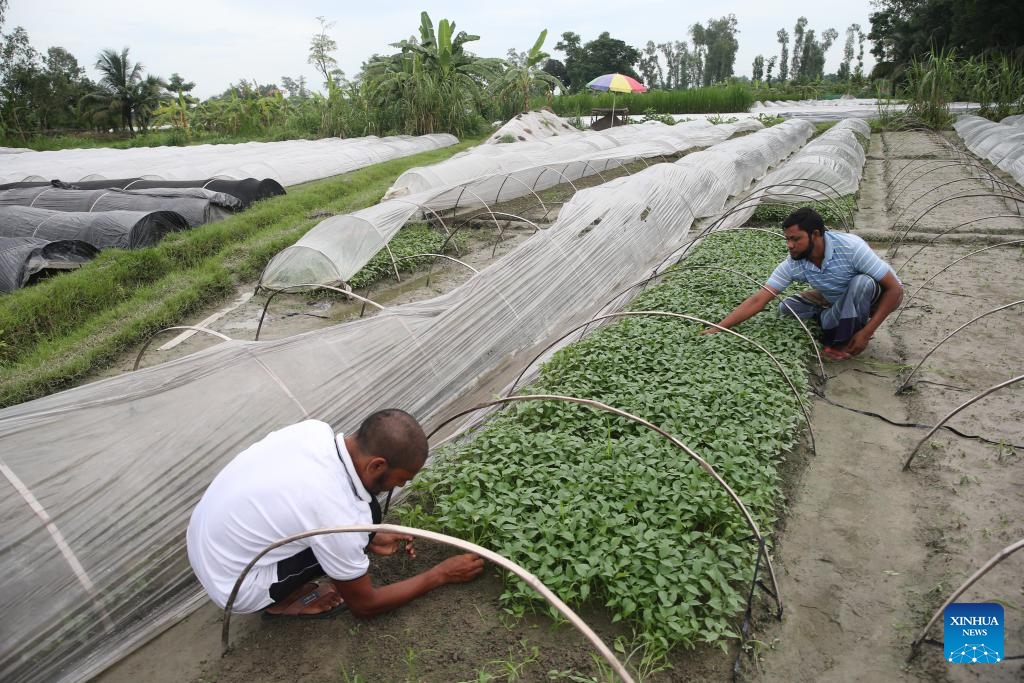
(396, 436)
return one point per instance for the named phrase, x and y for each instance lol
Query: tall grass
(996, 83)
(931, 83)
(60, 330)
(713, 100)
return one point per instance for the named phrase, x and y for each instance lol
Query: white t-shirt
(291, 481)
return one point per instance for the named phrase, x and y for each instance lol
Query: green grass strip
(710, 100)
(62, 329)
(604, 510)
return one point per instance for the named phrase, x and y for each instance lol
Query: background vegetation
(434, 83)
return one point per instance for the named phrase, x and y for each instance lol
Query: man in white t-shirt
(305, 477)
(853, 289)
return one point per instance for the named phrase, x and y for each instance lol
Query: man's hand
(709, 331)
(388, 544)
(460, 568)
(858, 342)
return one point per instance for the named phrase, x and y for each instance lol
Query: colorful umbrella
(616, 83)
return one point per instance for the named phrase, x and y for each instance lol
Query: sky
(217, 42)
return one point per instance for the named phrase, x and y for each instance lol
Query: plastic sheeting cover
(289, 163)
(23, 257)
(106, 229)
(825, 169)
(338, 247)
(101, 479)
(196, 205)
(534, 125)
(247, 190)
(1000, 143)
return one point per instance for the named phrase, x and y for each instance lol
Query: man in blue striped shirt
(853, 290)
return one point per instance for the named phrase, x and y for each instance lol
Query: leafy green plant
(834, 212)
(718, 119)
(601, 509)
(410, 241)
(769, 120)
(651, 115)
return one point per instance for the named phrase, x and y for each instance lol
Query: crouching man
(853, 290)
(305, 477)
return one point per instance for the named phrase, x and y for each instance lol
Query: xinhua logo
(973, 633)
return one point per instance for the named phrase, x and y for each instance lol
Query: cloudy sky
(216, 42)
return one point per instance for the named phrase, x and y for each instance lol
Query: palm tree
(520, 80)
(147, 96)
(119, 83)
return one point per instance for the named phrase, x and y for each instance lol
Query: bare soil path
(869, 551)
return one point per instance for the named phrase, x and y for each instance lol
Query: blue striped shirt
(846, 255)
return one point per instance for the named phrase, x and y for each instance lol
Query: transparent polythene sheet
(1000, 143)
(335, 249)
(825, 169)
(534, 125)
(102, 478)
(196, 206)
(118, 229)
(289, 163)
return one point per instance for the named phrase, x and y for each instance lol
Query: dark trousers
(303, 567)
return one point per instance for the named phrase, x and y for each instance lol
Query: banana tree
(434, 84)
(521, 80)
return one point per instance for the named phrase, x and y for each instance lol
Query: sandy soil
(869, 552)
(864, 557)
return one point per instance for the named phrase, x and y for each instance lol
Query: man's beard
(804, 255)
(377, 486)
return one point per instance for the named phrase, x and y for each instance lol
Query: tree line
(434, 82)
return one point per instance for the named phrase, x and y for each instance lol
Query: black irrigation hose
(916, 425)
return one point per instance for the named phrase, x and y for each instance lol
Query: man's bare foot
(836, 354)
(311, 601)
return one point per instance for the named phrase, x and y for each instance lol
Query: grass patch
(62, 329)
(712, 100)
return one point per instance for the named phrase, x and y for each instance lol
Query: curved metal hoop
(782, 301)
(194, 328)
(753, 201)
(435, 257)
(680, 254)
(494, 557)
(946, 164)
(284, 290)
(993, 561)
(643, 283)
(680, 316)
(935, 348)
(493, 215)
(903, 236)
(833, 200)
(512, 176)
(947, 267)
(949, 230)
(704, 465)
(892, 184)
(906, 465)
(946, 184)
